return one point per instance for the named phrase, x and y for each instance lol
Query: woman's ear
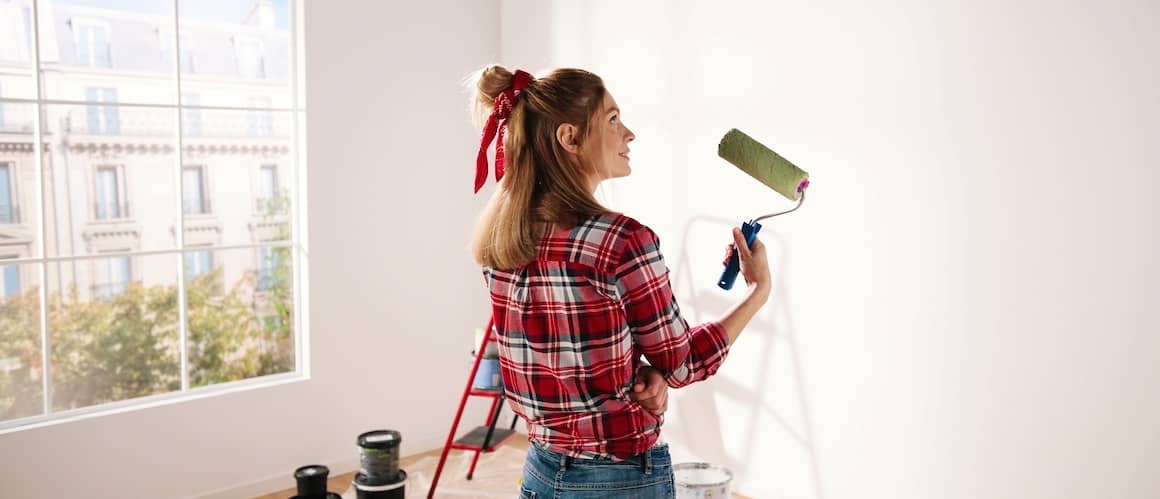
(566, 136)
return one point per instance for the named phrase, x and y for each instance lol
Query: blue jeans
(551, 475)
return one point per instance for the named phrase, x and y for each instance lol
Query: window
(198, 263)
(269, 260)
(15, 32)
(7, 195)
(187, 52)
(261, 120)
(191, 115)
(108, 190)
(92, 43)
(267, 189)
(10, 274)
(251, 57)
(112, 277)
(194, 200)
(148, 258)
(102, 119)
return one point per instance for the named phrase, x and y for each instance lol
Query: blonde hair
(542, 183)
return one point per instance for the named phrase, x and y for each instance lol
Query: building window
(11, 276)
(109, 194)
(269, 259)
(187, 65)
(8, 213)
(193, 186)
(261, 120)
(198, 263)
(251, 57)
(102, 119)
(15, 32)
(92, 42)
(268, 189)
(191, 115)
(112, 277)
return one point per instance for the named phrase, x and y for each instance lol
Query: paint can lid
(379, 439)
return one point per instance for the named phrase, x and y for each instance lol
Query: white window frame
(37, 260)
(76, 24)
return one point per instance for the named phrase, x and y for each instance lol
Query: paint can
(488, 374)
(702, 481)
(379, 456)
(311, 481)
(395, 490)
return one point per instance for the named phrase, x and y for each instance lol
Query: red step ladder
(485, 438)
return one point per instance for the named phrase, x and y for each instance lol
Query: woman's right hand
(754, 265)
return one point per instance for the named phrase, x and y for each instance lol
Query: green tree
(20, 386)
(128, 346)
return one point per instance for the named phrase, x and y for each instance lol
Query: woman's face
(609, 149)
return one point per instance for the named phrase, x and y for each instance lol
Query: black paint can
(379, 456)
(395, 490)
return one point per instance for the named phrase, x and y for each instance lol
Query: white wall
(965, 304)
(395, 297)
(961, 312)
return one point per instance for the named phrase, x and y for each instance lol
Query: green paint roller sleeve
(762, 163)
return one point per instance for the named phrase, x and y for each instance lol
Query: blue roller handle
(733, 266)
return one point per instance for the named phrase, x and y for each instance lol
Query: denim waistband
(657, 455)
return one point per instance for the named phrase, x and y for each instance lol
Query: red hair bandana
(496, 124)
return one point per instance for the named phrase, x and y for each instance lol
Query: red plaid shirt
(572, 327)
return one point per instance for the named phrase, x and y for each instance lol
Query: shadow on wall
(765, 463)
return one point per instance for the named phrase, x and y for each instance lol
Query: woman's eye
(614, 117)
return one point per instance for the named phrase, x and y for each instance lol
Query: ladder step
(474, 439)
(487, 392)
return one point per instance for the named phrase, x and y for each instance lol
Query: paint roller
(768, 167)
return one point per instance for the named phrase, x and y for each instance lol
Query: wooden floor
(342, 482)
(500, 479)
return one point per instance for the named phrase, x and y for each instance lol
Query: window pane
(191, 117)
(126, 42)
(248, 192)
(20, 367)
(16, 51)
(113, 329)
(19, 212)
(115, 190)
(243, 42)
(241, 316)
(194, 201)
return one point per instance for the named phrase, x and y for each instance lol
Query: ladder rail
(459, 412)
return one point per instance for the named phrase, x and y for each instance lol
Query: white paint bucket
(702, 481)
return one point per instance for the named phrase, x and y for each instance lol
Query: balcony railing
(110, 211)
(18, 118)
(106, 291)
(197, 207)
(147, 122)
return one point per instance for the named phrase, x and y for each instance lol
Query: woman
(580, 293)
